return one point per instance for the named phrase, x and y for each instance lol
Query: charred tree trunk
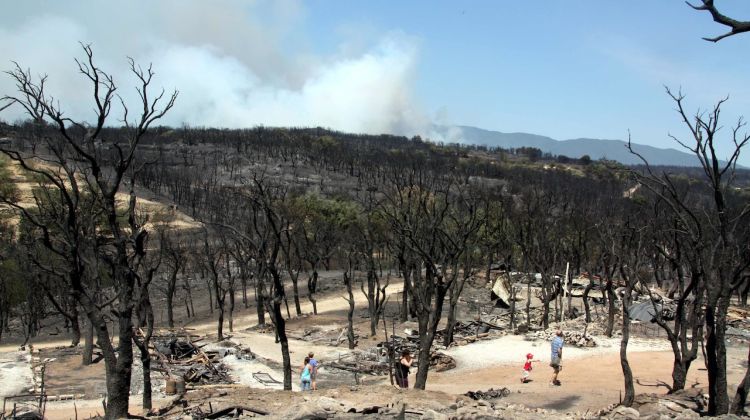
(450, 324)
(585, 298)
(295, 291)
(170, 310)
(220, 326)
(171, 286)
(146, 362)
(744, 290)
(405, 268)
(210, 298)
(75, 326)
(350, 312)
(284, 341)
(231, 310)
(416, 274)
(312, 287)
(611, 312)
(718, 399)
(189, 298)
(293, 267)
(684, 348)
(280, 324)
(286, 304)
(684, 355)
(404, 315)
(118, 362)
(372, 307)
(546, 298)
(146, 319)
(428, 322)
(260, 300)
(87, 356)
(243, 281)
(627, 373)
(455, 292)
(375, 299)
(679, 375)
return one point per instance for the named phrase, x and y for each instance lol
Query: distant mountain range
(596, 148)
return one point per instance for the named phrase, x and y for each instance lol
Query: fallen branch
(237, 409)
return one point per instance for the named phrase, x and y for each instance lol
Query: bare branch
(736, 26)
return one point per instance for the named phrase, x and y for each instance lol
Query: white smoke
(236, 64)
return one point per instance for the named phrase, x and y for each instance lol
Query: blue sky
(558, 68)
(565, 69)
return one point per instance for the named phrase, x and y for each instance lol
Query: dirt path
(587, 383)
(332, 302)
(84, 409)
(512, 349)
(590, 381)
(330, 308)
(265, 346)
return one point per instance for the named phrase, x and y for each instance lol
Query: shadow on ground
(561, 403)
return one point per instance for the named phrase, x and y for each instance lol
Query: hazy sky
(558, 68)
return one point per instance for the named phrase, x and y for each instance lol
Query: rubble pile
(575, 338)
(323, 336)
(597, 326)
(178, 356)
(489, 394)
(463, 334)
(469, 332)
(375, 361)
(409, 341)
(738, 320)
(266, 328)
(372, 362)
(441, 362)
(644, 309)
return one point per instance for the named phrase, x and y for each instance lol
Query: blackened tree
(80, 162)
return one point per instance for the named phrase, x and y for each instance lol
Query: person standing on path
(306, 375)
(404, 364)
(314, 373)
(556, 359)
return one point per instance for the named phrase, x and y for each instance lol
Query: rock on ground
(624, 413)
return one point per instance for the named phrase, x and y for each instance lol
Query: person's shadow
(562, 403)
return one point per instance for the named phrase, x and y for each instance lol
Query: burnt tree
(80, 162)
(713, 223)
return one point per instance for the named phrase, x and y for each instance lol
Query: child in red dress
(526, 373)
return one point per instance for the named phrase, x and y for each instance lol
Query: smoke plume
(236, 64)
